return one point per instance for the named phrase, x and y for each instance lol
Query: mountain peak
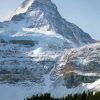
(23, 7)
(28, 3)
(42, 15)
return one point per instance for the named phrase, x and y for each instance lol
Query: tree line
(83, 96)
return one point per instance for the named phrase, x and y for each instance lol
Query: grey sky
(84, 13)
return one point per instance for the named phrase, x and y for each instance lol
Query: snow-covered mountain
(39, 52)
(42, 16)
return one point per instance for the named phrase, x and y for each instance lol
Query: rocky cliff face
(83, 64)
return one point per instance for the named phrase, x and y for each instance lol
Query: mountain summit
(27, 3)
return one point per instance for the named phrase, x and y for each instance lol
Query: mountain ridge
(43, 17)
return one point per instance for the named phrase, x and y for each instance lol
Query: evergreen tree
(83, 96)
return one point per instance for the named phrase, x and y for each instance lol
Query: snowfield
(19, 91)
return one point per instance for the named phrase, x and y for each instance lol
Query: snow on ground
(61, 91)
(19, 92)
(48, 83)
(95, 85)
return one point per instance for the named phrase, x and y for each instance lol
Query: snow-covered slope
(35, 45)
